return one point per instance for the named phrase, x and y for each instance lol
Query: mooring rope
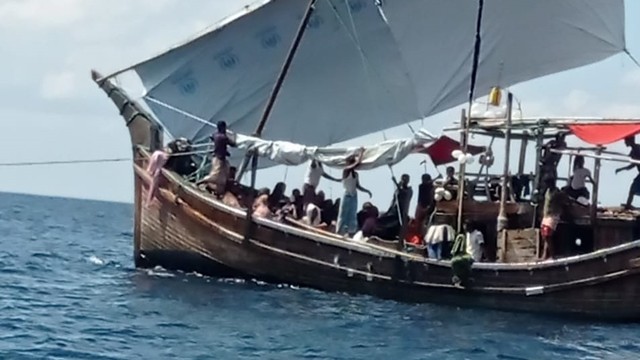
(63, 162)
(89, 161)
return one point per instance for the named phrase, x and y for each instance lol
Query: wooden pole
(502, 216)
(461, 175)
(538, 173)
(285, 68)
(596, 179)
(627, 160)
(523, 152)
(253, 156)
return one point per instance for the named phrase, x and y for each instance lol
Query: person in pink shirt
(157, 161)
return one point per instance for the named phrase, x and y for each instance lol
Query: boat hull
(184, 229)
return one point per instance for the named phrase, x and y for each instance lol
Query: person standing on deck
(219, 174)
(549, 159)
(578, 184)
(634, 154)
(312, 180)
(401, 198)
(347, 213)
(551, 212)
(474, 241)
(426, 199)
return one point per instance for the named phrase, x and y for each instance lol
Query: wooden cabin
(583, 228)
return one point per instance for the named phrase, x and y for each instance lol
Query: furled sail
(387, 153)
(367, 65)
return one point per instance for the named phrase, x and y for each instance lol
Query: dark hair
(578, 161)
(222, 126)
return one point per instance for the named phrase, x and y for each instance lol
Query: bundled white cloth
(439, 233)
(385, 153)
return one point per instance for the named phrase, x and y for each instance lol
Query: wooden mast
(596, 180)
(466, 123)
(502, 216)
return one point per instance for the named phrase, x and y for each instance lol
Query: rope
(635, 61)
(63, 162)
(88, 161)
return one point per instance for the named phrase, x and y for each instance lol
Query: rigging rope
(89, 161)
(63, 162)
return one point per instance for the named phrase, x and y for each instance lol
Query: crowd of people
(342, 216)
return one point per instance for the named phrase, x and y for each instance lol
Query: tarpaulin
(440, 151)
(603, 134)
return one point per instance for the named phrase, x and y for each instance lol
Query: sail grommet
(604, 258)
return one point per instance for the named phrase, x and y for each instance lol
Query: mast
(467, 118)
(502, 216)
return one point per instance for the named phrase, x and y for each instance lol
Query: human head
(320, 196)
(350, 160)
(280, 188)
(296, 193)
(404, 179)
(264, 191)
(578, 162)
(630, 140)
(426, 178)
(467, 225)
(222, 126)
(450, 171)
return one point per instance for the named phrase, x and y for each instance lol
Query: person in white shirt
(474, 241)
(312, 180)
(577, 187)
(347, 213)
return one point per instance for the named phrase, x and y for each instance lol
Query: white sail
(364, 67)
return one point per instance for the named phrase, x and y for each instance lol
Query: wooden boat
(188, 229)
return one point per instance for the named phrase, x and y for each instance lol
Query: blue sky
(51, 110)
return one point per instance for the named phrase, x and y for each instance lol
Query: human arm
(327, 176)
(359, 187)
(358, 160)
(624, 168)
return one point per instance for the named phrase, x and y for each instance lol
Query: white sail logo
(227, 60)
(270, 38)
(186, 82)
(357, 5)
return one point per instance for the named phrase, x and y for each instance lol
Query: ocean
(69, 290)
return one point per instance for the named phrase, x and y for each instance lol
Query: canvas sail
(365, 65)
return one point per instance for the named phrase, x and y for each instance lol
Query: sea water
(69, 290)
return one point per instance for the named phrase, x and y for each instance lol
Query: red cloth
(546, 231)
(603, 134)
(440, 151)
